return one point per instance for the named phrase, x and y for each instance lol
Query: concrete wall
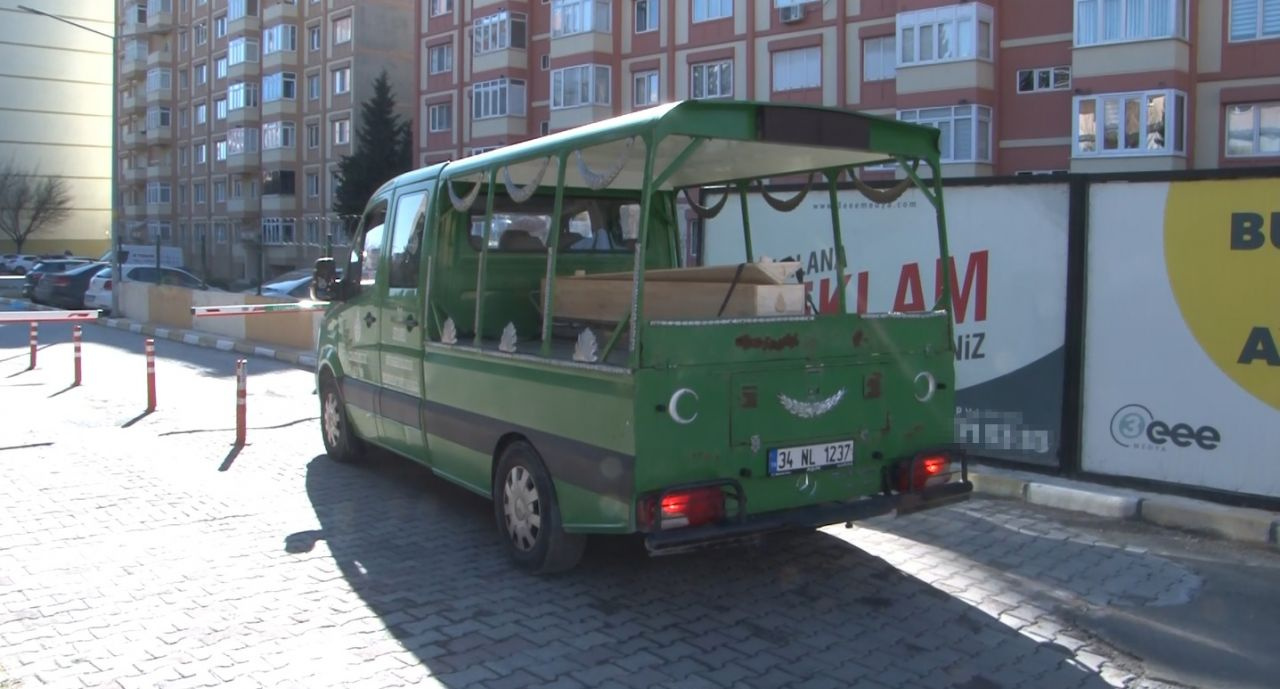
(171, 306)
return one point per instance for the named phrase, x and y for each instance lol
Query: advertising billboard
(1182, 346)
(1008, 247)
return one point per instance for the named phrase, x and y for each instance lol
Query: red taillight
(61, 282)
(106, 285)
(688, 507)
(921, 471)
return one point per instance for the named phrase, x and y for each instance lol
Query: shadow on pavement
(425, 556)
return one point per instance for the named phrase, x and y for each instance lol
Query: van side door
(402, 323)
(364, 279)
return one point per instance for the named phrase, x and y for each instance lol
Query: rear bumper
(806, 517)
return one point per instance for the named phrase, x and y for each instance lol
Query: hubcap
(332, 420)
(521, 508)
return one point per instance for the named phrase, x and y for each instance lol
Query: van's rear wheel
(340, 441)
(528, 515)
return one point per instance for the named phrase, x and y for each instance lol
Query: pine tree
(382, 151)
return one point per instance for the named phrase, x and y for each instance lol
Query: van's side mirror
(324, 281)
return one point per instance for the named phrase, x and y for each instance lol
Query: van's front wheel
(528, 515)
(340, 441)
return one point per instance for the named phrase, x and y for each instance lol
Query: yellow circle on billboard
(1222, 251)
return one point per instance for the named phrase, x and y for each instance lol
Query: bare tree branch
(29, 203)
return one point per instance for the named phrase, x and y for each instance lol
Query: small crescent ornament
(674, 402)
(931, 386)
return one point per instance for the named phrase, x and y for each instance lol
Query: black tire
(340, 440)
(528, 515)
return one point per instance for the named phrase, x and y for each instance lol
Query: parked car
(19, 264)
(66, 289)
(44, 268)
(98, 294)
(295, 284)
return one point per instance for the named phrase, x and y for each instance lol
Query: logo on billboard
(1222, 251)
(1135, 427)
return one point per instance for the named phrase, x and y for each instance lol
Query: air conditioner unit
(791, 14)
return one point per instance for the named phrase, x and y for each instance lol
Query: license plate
(789, 460)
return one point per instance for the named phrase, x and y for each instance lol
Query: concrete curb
(301, 359)
(1240, 524)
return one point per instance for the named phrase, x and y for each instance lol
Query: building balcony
(568, 118)
(154, 209)
(131, 103)
(160, 58)
(1162, 55)
(242, 207)
(159, 97)
(274, 157)
(133, 175)
(499, 126)
(250, 115)
(160, 171)
(280, 204)
(159, 136)
(239, 163)
(584, 43)
(273, 13)
(135, 210)
(279, 108)
(133, 67)
(508, 59)
(133, 139)
(281, 59)
(244, 71)
(946, 76)
(158, 20)
(243, 25)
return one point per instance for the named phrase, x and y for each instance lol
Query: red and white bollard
(150, 348)
(241, 399)
(75, 338)
(34, 340)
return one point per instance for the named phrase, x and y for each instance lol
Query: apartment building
(55, 114)
(234, 115)
(1016, 86)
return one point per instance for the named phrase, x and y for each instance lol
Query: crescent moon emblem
(674, 402)
(931, 386)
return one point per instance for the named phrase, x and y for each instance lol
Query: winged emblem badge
(810, 410)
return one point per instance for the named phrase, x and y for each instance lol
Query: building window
(704, 10)
(200, 153)
(277, 231)
(1044, 79)
(220, 109)
(440, 58)
(220, 149)
(645, 89)
(797, 69)
(220, 26)
(278, 183)
(1143, 123)
(712, 80)
(341, 30)
(646, 16)
(201, 31)
(439, 7)
(158, 193)
(341, 80)
(313, 135)
(498, 31)
(220, 191)
(440, 117)
(200, 74)
(238, 9)
(281, 38)
(276, 135)
(159, 117)
(879, 58)
(220, 233)
(944, 34)
(544, 128)
(159, 79)
(279, 86)
(1254, 19)
(313, 39)
(198, 193)
(581, 85)
(241, 50)
(201, 113)
(220, 67)
(241, 140)
(313, 185)
(1113, 21)
(1253, 130)
(341, 132)
(497, 98)
(242, 94)
(580, 16)
(966, 131)
(313, 87)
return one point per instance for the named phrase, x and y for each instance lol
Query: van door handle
(369, 319)
(410, 323)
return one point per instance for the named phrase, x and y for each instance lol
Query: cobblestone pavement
(140, 551)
